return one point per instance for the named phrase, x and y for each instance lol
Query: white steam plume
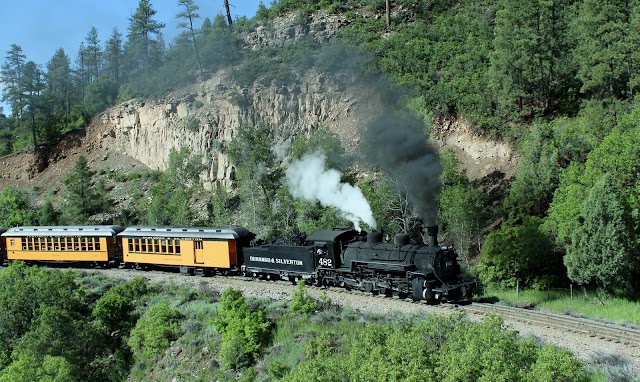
(310, 180)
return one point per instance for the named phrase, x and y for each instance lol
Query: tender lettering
(275, 260)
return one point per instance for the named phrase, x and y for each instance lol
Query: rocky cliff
(206, 116)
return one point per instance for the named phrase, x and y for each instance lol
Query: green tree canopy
(616, 156)
(171, 195)
(83, 196)
(259, 177)
(603, 51)
(25, 292)
(537, 175)
(16, 208)
(519, 251)
(602, 249)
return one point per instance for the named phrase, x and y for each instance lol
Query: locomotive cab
(329, 246)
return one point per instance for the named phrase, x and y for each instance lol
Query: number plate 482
(324, 262)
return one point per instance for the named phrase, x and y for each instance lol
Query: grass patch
(613, 309)
(612, 367)
(589, 304)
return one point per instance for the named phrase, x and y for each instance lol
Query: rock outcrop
(206, 117)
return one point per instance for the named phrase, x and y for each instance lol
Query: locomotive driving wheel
(417, 288)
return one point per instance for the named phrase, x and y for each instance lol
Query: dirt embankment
(45, 168)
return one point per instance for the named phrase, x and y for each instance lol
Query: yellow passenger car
(97, 244)
(190, 248)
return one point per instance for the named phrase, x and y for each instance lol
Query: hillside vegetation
(557, 79)
(67, 326)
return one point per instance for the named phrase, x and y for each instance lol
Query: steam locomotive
(354, 260)
(337, 257)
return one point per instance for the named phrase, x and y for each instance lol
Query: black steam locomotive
(353, 260)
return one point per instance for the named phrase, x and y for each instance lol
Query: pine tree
(10, 76)
(59, 90)
(93, 55)
(81, 71)
(83, 199)
(32, 84)
(113, 57)
(603, 49)
(141, 28)
(171, 195)
(530, 60)
(601, 248)
(189, 15)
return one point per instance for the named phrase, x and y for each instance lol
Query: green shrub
(155, 330)
(301, 302)
(554, 364)
(519, 251)
(134, 176)
(24, 291)
(487, 352)
(244, 332)
(191, 124)
(52, 369)
(441, 349)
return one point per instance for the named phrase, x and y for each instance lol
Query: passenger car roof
(227, 233)
(88, 230)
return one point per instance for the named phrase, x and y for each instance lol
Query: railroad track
(604, 331)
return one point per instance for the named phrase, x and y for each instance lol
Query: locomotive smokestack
(432, 232)
(374, 237)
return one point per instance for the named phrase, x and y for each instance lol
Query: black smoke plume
(398, 145)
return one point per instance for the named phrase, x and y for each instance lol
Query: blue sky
(40, 27)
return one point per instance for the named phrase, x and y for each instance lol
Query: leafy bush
(301, 302)
(441, 349)
(115, 309)
(46, 323)
(520, 251)
(244, 332)
(486, 352)
(15, 208)
(155, 330)
(61, 333)
(52, 369)
(24, 291)
(191, 123)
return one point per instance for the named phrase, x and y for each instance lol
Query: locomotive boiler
(428, 271)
